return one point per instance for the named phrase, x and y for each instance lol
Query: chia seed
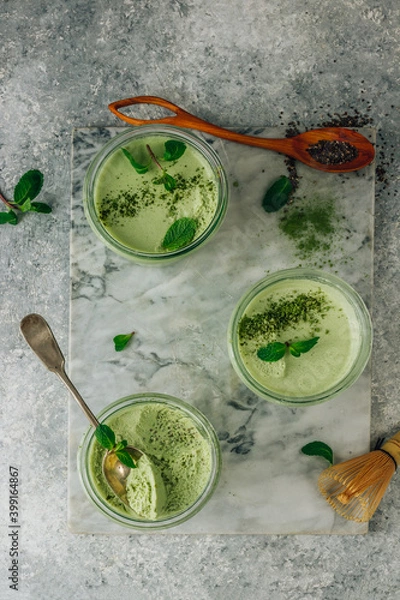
(354, 120)
(292, 173)
(334, 152)
(346, 120)
(291, 131)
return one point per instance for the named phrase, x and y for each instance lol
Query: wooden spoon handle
(182, 118)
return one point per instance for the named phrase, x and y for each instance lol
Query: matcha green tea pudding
(154, 194)
(300, 337)
(176, 475)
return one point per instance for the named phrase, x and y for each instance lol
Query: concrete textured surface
(259, 62)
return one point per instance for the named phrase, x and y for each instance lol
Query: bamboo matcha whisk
(355, 487)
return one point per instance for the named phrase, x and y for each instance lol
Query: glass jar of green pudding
(176, 476)
(300, 337)
(155, 193)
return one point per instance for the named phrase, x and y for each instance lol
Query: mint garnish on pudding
(156, 195)
(277, 350)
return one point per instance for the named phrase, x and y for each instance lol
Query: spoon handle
(40, 338)
(182, 118)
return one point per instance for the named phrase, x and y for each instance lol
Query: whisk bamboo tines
(355, 487)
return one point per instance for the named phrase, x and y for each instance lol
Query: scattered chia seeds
(345, 119)
(290, 163)
(336, 152)
(292, 172)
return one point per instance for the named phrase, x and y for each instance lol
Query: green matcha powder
(283, 314)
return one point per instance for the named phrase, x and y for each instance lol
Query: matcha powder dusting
(314, 228)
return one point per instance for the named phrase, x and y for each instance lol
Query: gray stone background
(235, 63)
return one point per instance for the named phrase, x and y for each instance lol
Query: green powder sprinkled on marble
(312, 225)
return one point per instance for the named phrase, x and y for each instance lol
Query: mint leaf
(121, 445)
(173, 149)
(141, 169)
(40, 207)
(105, 436)
(26, 206)
(126, 459)
(8, 217)
(276, 350)
(28, 187)
(272, 352)
(297, 348)
(277, 195)
(168, 181)
(179, 234)
(318, 449)
(120, 341)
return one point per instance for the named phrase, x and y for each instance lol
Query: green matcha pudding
(176, 475)
(155, 194)
(300, 337)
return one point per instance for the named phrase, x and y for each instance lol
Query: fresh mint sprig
(106, 438)
(174, 149)
(168, 181)
(26, 190)
(276, 350)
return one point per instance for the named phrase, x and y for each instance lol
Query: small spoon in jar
(40, 338)
(303, 147)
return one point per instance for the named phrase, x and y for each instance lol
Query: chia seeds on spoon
(354, 120)
(334, 152)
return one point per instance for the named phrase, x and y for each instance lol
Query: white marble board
(180, 314)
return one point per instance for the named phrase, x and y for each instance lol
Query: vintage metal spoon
(296, 147)
(40, 338)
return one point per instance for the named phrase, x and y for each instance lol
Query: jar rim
(200, 145)
(204, 427)
(304, 273)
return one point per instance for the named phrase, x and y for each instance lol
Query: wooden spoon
(296, 147)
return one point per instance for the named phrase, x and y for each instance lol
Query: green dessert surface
(294, 311)
(175, 469)
(136, 208)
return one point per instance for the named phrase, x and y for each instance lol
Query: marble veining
(180, 314)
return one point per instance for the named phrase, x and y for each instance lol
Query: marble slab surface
(180, 314)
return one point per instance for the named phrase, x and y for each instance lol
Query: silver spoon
(40, 338)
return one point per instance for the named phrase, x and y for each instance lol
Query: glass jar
(131, 211)
(127, 411)
(296, 305)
